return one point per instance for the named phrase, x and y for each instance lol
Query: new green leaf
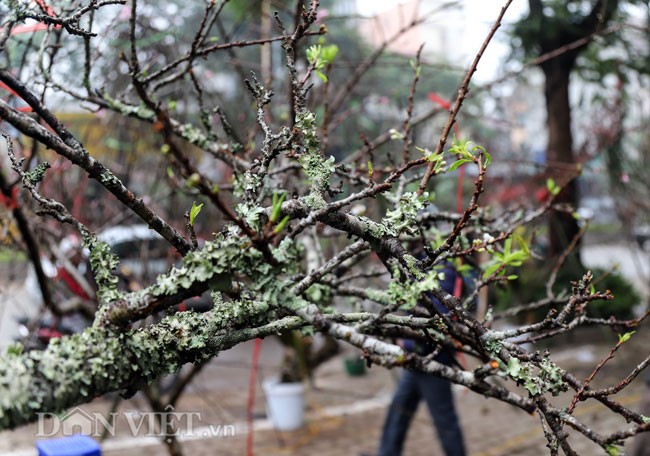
(194, 212)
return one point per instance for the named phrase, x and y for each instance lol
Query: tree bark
(561, 160)
(549, 32)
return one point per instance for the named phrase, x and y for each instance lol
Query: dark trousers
(412, 387)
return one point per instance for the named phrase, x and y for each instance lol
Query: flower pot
(354, 366)
(285, 404)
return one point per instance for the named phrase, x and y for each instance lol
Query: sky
(475, 23)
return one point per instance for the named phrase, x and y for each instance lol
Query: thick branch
(73, 370)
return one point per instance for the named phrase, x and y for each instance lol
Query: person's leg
(438, 396)
(402, 408)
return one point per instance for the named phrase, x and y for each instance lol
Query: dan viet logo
(135, 423)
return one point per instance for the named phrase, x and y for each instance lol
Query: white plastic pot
(285, 404)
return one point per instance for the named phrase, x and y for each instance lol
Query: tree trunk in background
(553, 26)
(561, 160)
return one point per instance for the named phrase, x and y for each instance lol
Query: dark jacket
(446, 355)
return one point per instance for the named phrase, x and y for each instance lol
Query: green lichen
(412, 265)
(243, 311)
(157, 349)
(250, 214)
(36, 175)
(319, 294)
(376, 230)
(318, 171)
(194, 135)
(109, 179)
(103, 263)
(493, 346)
(140, 111)
(228, 255)
(407, 294)
(547, 376)
(214, 263)
(246, 183)
(306, 123)
(318, 168)
(551, 376)
(403, 218)
(287, 252)
(76, 368)
(315, 200)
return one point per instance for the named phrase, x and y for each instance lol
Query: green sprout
(468, 152)
(552, 187)
(194, 211)
(509, 257)
(320, 56)
(276, 210)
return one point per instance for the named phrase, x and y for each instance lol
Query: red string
(23, 28)
(251, 395)
(30, 28)
(437, 99)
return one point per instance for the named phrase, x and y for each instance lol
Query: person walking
(413, 387)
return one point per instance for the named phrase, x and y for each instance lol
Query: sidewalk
(345, 413)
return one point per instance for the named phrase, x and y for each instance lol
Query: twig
(462, 93)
